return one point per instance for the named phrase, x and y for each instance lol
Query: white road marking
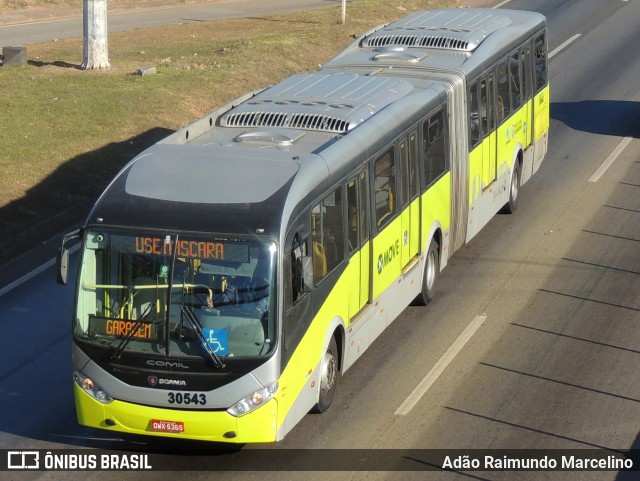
(38, 270)
(501, 4)
(27, 277)
(611, 159)
(431, 377)
(564, 44)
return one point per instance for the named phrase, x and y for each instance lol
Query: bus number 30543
(187, 398)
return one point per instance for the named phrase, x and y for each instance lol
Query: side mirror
(62, 264)
(62, 259)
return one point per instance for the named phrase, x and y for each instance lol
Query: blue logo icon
(218, 340)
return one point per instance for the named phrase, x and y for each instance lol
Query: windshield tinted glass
(176, 295)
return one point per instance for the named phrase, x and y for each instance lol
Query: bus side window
(327, 221)
(474, 116)
(514, 82)
(352, 214)
(491, 93)
(504, 104)
(358, 211)
(486, 107)
(296, 301)
(540, 62)
(363, 206)
(414, 166)
(525, 61)
(404, 176)
(385, 187)
(409, 167)
(433, 138)
(292, 272)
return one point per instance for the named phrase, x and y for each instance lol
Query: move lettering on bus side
(388, 255)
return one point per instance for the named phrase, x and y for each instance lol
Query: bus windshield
(176, 295)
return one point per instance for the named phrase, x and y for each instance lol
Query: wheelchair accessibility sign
(218, 340)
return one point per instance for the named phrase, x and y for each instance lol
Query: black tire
(430, 276)
(514, 191)
(328, 378)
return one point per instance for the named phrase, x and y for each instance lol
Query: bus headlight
(253, 401)
(90, 387)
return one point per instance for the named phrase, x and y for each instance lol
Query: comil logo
(23, 460)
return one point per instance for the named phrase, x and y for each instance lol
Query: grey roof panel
(456, 30)
(323, 102)
(453, 39)
(197, 178)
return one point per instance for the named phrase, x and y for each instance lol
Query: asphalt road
(553, 293)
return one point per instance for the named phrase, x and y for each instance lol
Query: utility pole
(344, 11)
(94, 32)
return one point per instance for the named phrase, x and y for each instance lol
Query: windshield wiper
(197, 327)
(132, 332)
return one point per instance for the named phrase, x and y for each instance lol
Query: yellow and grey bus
(231, 272)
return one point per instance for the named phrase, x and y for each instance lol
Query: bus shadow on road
(620, 118)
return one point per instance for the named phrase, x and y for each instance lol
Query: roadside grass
(64, 133)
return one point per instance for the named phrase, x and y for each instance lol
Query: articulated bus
(233, 271)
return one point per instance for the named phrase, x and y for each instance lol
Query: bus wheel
(514, 190)
(328, 377)
(430, 278)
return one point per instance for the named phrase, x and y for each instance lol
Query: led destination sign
(230, 251)
(184, 248)
(102, 326)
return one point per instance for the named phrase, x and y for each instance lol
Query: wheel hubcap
(514, 185)
(431, 270)
(328, 376)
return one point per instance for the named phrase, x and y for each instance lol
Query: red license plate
(167, 426)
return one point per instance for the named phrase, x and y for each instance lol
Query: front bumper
(258, 426)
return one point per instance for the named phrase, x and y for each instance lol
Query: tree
(94, 32)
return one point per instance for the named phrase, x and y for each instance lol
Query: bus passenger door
(477, 165)
(541, 98)
(527, 88)
(358, 241)
(410, 203)
(487, 121)
(387, 242)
